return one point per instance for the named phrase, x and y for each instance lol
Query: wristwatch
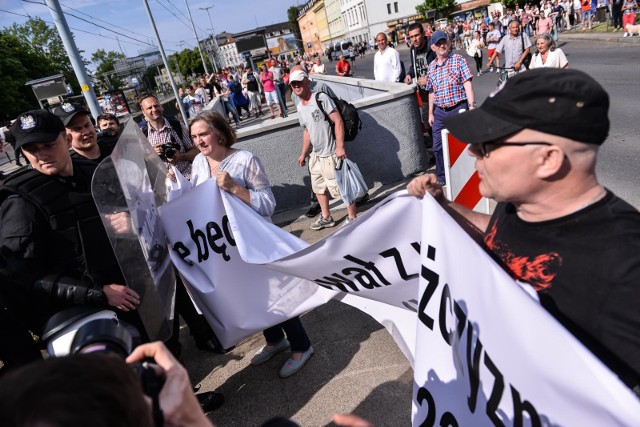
(473, 104)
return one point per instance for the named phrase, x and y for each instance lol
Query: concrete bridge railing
(389, 147)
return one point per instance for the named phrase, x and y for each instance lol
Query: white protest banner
(238, 299)
(490, 355)
(485, 353)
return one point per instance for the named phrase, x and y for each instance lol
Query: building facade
(309, 28)
(229, 56)
(335, 20)
(356, 20)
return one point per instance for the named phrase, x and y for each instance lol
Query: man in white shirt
(386, 62)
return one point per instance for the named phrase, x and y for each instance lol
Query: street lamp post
(204, 64)
(215, 49)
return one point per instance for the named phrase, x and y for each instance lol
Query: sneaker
(497, 71)
(491, 69)
(210, 400)
(264, 355)
(347, 221)
(321, 223)
(313, 211)
(292, 366)
(626, 34)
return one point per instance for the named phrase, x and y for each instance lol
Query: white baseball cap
(298, 76)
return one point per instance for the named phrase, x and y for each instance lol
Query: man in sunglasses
(555, 227)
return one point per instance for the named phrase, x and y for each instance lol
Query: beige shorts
(323, 175)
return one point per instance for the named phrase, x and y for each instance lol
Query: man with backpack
(323, 142)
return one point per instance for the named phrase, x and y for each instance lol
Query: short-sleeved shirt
(495, 34)
(446, 80)
(586, 269)
(166, 135)
(512, 48)
(312, 119)
(267, 83)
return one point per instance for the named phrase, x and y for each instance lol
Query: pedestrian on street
(450, 90)
(323, 143)
(386, 62)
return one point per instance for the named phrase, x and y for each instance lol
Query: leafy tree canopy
(442, 7)
(105, 64)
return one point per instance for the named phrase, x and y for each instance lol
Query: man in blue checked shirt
(450, 90)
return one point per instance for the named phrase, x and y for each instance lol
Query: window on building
(395, 6)
(389, 8)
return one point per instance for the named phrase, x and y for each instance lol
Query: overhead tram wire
(139, 42)
(77, 29)
(185, 16)
(101, 20)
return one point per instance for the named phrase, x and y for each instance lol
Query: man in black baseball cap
(81, 133)
(535, 142)
(55, 250)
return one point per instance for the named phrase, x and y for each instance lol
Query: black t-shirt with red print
(586, 269)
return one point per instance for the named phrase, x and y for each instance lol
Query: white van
(341, 47)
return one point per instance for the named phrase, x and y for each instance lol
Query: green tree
(294, 26)
(149, 77)
(105, 77)
(19, 63)
(43, 39)
(442, 8)
(189, 62)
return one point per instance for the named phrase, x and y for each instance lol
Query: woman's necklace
(213, 168)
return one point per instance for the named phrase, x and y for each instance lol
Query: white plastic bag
(350, 181)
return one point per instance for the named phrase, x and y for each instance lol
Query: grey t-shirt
(312, 119)
(278, 74)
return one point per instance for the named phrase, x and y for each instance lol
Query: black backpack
(349, 114)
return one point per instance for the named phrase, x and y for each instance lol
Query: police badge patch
(27, 122)
(68, 108)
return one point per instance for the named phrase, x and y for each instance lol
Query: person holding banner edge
(241, 173)
(553, 219)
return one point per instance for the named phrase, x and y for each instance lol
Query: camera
(169, 150)
(105, 133)
(116, 337)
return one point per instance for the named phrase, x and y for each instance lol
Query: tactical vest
(77, 239)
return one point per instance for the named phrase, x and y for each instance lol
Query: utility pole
(204, 64)
(74, 56)
(213, 39)
(183, 112)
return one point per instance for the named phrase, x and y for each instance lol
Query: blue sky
(129, 19)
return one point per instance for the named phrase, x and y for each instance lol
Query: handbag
(472, 50)
(527, 60)
(350, 181)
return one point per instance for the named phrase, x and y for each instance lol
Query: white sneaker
(626, 34)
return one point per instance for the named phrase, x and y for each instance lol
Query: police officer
(54, 249)
(81, 133)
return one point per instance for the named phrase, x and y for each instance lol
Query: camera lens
(102, 335)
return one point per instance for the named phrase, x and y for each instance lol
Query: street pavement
(356, 366)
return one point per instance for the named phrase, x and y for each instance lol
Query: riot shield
(129, 186)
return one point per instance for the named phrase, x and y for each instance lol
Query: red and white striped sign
(460, 173)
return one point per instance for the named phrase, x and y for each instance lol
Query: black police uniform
(55, 252)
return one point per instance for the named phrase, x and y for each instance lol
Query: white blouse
(555, 59)
(246, 170)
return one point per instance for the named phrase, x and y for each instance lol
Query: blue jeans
(438, 124)
(296, 335)
(281, 90)
(230, 108)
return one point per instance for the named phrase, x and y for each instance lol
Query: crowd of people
(548, 202)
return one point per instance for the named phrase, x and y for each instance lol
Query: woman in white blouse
(548, 55)
(242, 174)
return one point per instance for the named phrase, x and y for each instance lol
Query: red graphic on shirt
(539, 271)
